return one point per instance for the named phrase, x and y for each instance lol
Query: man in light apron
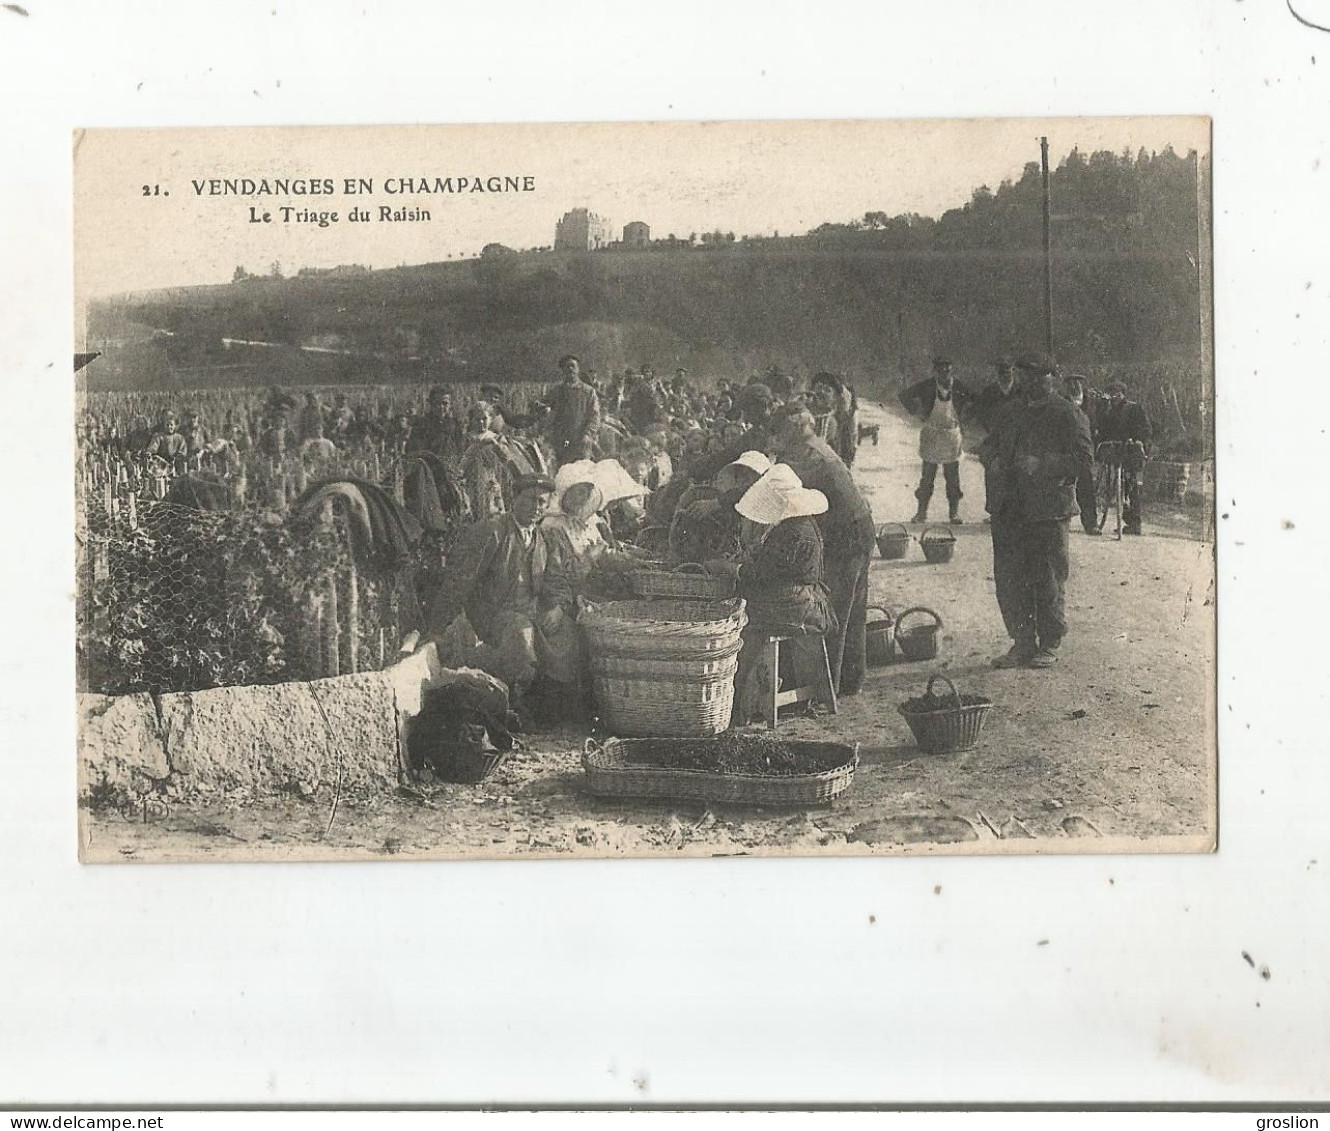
(938, 402)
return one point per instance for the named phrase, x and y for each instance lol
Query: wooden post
(352, 616)
(1048, 249)
(333, 629)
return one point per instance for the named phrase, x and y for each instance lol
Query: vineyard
(197, 572)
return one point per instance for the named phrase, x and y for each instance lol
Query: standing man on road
(1032, 460)
(938, 402)
(1125, 422)
(994, 397)
(1078, 391)
(574, 419)
(847, 535)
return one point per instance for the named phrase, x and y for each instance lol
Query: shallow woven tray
(611, 772)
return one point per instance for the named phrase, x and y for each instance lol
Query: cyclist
(1125, 422)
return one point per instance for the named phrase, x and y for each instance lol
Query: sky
(140, 222)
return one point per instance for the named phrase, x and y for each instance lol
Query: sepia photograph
(784, 488)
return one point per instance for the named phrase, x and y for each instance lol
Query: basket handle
(919, 609)
(591, 746)
(881, 530)
(950, 537)
(886, 613)
(951, 686)
(689, 567)
(647, 531)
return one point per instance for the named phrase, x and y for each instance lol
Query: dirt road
(1105, 751)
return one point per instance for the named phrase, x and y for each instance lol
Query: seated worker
(783, 582)
(625, 498)
(503, 576)
(706, 525)
(574, 534)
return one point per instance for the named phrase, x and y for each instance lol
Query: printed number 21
(154, 190)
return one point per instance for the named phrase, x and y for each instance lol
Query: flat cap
(533, 483)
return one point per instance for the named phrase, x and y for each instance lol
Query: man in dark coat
(1126, 422)
(438, 432)
(847, 535)
(1077, 390)
(1001, 391)
(515, 597)
(1032, 459)
(574, 419)
(939, 402)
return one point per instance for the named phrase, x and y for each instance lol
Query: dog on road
(868, 432)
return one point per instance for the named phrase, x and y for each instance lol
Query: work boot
(921, 515)
(1017, 656)
(955, 518)
(1094, 532)
(1044, 658)
(1131, 528)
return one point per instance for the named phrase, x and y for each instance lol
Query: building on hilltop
(636, 234)
(581, 230)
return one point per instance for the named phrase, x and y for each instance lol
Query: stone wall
(238, 742)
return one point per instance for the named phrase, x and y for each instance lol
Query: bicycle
(1110, 458)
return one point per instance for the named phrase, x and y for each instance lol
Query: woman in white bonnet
(575, 538)
(782, 580)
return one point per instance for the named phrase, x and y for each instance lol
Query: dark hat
(940, 360)
(569, 357)
(828, 379)
(1036, 363)
(1078, 378)
(1117, 383)
(1004, 362)
(438, 392)
(532, 483)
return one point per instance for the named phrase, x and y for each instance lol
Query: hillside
(869, 297)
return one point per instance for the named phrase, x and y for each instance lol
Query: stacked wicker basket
(664, 667)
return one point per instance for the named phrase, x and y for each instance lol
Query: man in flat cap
(1032, 459)
(998, 395)
(1125, 422)
(518, 602)
(938, 402)
(574, 420)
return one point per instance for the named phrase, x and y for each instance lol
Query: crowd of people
(751, 481)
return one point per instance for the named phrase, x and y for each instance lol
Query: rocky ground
(1110, 750)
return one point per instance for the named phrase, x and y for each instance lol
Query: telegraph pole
(1048, 254)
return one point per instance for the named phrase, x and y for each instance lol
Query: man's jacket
(492, 570)
(1055, 435)
(920, 397)
(1126, 421)
(847, 526)
(574, 420)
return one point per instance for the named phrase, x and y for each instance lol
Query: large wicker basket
(949, 729)
(655, 630)
(638, 667)
(623, 769)
(690, 707)
(683, 581)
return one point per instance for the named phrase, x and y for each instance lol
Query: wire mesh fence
(173, 598)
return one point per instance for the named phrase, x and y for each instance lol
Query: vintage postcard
(661, 489)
